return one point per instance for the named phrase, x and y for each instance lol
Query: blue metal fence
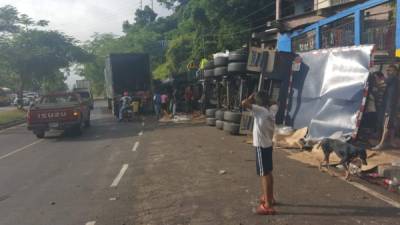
(352, 26)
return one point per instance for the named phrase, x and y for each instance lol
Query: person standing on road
(125, 104)
(188, 99)
(388, 112)
(263, 130)
(157, 104)
(174, 101)
(164, 103)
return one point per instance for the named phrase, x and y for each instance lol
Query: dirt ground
(195, 174)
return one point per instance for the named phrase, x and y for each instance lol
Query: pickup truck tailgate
(51, 115)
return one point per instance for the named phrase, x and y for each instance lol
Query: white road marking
(374, 193)
(21, 149)
(140, 133)
(91, 223)
(135, 146)
(142, 124)
(119, 176)
(368, 190)
(113, 199)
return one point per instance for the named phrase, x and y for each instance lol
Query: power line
(256, 11)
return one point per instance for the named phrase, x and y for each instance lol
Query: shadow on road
(345, 210)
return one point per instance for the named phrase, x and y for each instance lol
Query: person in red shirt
(188, 99)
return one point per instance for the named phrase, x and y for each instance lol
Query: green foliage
(32, 58)
(196, 29)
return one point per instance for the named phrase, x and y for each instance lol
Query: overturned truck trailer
(327, 91)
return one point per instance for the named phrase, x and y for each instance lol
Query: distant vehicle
(25, 101)
(61, 111)
(82, 84)
(128, 72)
(5, 98)
(86, 96)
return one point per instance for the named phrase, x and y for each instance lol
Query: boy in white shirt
(263, 131)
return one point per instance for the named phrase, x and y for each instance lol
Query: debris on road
(222, 172)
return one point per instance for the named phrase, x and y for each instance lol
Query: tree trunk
(20, 94)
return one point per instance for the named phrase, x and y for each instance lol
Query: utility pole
(152, 5)
(141, 5)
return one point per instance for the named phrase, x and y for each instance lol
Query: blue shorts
(263, 160)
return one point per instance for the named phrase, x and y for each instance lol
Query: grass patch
(10, 116)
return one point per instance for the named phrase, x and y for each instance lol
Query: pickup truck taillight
(76, 113)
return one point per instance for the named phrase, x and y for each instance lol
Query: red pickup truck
(61, 111)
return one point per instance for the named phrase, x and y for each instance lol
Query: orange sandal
(263, 210)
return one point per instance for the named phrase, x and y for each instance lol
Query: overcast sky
(81, 18)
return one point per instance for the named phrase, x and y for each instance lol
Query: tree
(99, 47)
(145, 16)
(34, 57)
(196, 29)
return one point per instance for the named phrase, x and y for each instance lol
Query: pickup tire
(39, 134)
(87, 122)
(77, 130)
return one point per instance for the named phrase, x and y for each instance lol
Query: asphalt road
(149, 173)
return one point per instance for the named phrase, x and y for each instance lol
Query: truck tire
(208, 73)
(237, 67)
(237, 57)
(220, 61)
(232, 128)
(234, 117)
(77, 130)
(219, 114)
(87, 122)
(219, 124)
(210, 113)
(209, 65)
(211, 121)
(220, 71)
(39, 134)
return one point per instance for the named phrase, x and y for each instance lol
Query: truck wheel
(210, 121)
(232, 128)
(237, 67)
(77, 130)
(208, 73)
(219, 114)
(87, 122)
(237, 57)
(210, 113)
(219, 124)
(220, 61)
(234, 117)
(220, 71)
(209, 65)
(39, 134)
